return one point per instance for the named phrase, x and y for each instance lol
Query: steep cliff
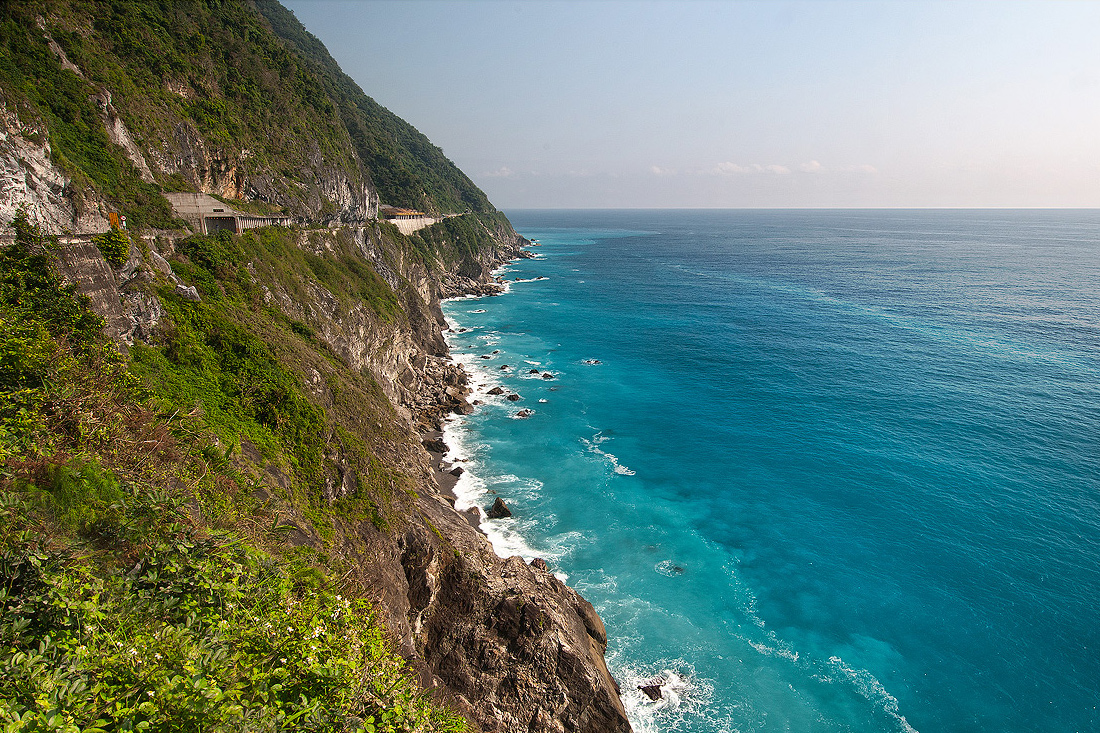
(504, 642)
(313, 357)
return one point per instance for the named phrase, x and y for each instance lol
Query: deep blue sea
(817, 470)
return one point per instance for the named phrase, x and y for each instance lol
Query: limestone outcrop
(30, 181)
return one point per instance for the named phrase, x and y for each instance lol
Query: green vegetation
(31, 73)
(457, 240)
(114, 245)
(144, 581)
(407, 169)
(241, 364)
(134, 620)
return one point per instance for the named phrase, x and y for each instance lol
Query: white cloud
(812, 167)
(502, 172)
(659, 171)
(730, 169)
(864, 168)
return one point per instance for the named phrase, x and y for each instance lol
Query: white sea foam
(780, 650)
(507, 539)
(867, 685)
(684, 694)
(508, 536)
(593, 445)
(465, 452)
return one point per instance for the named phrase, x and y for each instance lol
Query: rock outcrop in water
(499, 510)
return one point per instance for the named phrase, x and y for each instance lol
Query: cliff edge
(310, 360)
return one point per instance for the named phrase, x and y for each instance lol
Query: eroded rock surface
(522, 650)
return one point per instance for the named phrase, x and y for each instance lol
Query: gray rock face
(519, 649)
(29, 180)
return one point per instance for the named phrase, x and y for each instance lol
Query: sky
(822, 104)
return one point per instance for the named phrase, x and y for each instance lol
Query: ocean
(816, 470)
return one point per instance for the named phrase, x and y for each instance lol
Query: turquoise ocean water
(817, 470)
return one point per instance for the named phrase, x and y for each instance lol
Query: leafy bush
(199, 634)
(114, 245)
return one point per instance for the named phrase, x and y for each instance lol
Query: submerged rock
(496, 390)
(513, 397)
(653, 692)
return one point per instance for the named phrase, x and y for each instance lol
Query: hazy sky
(740, 104)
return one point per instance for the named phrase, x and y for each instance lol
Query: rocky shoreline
(517, 648)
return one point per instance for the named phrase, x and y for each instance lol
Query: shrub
(114, 245)
(199, 634)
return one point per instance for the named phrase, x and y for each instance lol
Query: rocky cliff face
(505, 642)
(186, 135)
(519, 648)
(334, 195)
(30, 180)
